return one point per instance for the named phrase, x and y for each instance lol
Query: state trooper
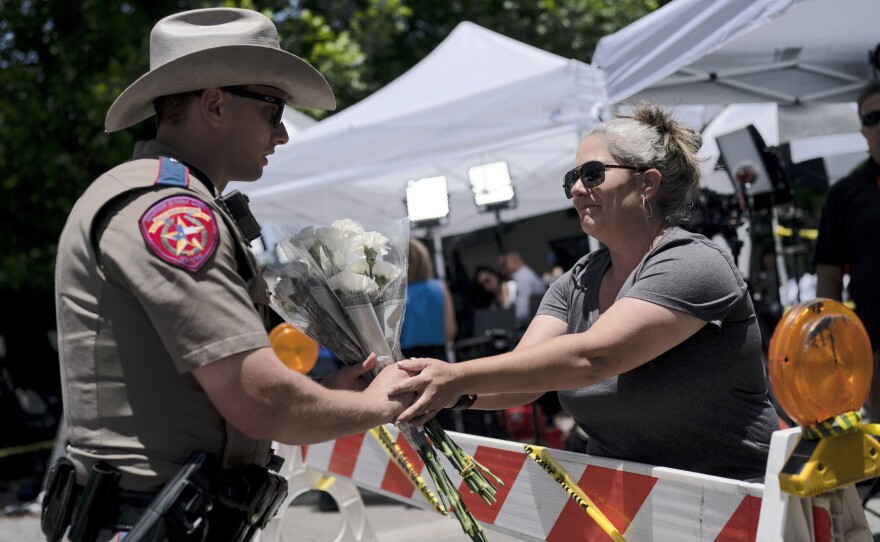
(172, 392)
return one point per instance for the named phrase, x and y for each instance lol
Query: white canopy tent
(810, 58)
(736, 51)
(479, 97)
(295, 121)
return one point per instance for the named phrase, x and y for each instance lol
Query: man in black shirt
(849, 237)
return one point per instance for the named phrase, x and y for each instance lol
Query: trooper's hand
(350, 377)
(387, 378)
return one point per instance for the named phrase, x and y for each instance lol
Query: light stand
(427, 206)
(493, 192)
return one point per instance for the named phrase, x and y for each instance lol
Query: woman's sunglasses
(592, 174)
(870, 119)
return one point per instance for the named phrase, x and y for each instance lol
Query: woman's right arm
(543, 327)
(629, 334)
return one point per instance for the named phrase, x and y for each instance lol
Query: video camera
(759, 173)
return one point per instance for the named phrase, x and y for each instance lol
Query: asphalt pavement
(305, 521)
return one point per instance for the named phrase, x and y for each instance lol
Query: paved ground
(304, 521)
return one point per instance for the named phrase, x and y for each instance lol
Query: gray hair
(652, 138)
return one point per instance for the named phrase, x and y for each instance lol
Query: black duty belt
(125, 509)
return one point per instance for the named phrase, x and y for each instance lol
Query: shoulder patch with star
(182, 230)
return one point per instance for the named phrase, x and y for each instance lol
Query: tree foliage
(63, 62)
(362, 45)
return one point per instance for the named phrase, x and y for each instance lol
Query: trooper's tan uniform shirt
(132, 326)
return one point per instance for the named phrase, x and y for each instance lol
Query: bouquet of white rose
(346, 288)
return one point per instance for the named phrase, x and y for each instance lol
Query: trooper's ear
(211, 105)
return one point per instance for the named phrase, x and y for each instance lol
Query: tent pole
(439, 261)
(440, 269)
(499, 231)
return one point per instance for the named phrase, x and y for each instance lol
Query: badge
(181, 230)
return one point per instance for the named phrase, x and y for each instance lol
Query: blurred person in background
(492, 290)
(651, 341)
(429, 318)
(848, 241)
(528, 284)
(553, 270)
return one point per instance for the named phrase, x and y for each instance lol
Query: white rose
(347, 281)
(375, 242)
(336, 247)
(348, 227)
(386, 271)
(359, 266)
(345, 259)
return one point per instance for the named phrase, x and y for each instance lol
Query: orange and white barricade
(644, 503)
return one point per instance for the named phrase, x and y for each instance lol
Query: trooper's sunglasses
(245, 93)
(870, 119)
(591, 173)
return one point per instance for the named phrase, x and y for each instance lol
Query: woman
(493, 291)
(429, 317)
(652, 341)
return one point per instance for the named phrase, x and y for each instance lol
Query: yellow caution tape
(838, 425)
(26, 448)
(804, 233)
(847, 422)
(542, 456)
(384, 438)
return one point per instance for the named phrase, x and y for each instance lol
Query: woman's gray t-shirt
(701, 406)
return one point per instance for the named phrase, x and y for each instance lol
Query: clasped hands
(426, 385)
(434, 383)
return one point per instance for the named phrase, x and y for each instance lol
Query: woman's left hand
(435, 383)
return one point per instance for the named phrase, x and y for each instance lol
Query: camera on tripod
(760, 180)
(759, 173)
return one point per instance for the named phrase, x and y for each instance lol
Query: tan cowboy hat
(217, 47)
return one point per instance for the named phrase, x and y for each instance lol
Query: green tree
(62, 63)
(362, 45)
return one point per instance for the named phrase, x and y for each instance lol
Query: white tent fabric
(479, 97)
(735, 51)
(295, 121)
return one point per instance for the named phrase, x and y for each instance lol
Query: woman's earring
(646, 205)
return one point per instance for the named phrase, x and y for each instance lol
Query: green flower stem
(444, 486)
(471, 471)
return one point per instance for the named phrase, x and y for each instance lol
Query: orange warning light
(294, 348)
(820, 361)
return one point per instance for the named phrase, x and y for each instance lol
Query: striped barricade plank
(643, 502)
